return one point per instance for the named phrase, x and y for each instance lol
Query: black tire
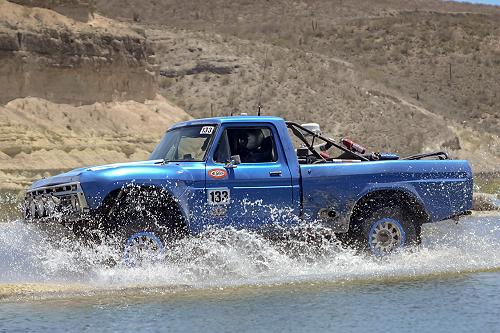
(383, 230)
(143, 214)
(138, 228)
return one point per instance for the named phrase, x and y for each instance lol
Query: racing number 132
(218, 196)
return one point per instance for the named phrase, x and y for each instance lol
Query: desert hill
(39, 138)
(80, 79)
(74, 90)
(46, 54)
(404, 76)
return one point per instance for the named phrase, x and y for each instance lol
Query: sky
(488, 2)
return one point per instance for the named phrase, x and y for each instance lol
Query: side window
(253, 144)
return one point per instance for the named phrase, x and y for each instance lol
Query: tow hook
(457, 216)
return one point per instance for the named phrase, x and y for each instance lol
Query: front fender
(175, 180)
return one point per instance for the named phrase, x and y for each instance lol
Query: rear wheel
(383, 231)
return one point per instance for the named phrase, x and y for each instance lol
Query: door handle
(275, 173)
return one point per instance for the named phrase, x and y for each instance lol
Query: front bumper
(63, 203)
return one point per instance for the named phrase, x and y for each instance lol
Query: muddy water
(238, 281)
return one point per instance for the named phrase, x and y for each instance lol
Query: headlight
(49, 205)
(40, 210)
(32, 208)
(75, 204)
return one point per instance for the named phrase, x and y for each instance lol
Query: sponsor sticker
(207, 130)
(219, 211)
(217, 173)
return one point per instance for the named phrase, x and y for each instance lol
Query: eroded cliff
(46, 54)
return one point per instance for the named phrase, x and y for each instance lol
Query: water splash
(230, 257)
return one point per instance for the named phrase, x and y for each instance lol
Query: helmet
(254, 138)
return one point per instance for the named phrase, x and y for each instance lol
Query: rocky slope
(48, 55)
(404, 76)
(76, 89)
(80, 10)
(394, 75)
(39, 138)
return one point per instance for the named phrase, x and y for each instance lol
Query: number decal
(218, 196)
(207, 130)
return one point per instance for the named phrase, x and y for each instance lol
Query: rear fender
(405, 196)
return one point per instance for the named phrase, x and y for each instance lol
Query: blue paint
(443, 187)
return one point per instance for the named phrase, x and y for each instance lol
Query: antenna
(259, 101)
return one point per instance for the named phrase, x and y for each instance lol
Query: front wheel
(143, 247)
(141, 228)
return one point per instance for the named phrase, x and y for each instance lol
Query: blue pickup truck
(256, 172)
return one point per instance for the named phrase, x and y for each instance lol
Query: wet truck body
(247, 172)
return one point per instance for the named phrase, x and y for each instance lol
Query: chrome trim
(53, 193)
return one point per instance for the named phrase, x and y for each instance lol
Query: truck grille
(54, 201)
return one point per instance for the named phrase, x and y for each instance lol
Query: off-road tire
(363, 230)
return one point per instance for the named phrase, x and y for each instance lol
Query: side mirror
(235, 160)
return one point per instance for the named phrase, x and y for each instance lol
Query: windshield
(184, 144)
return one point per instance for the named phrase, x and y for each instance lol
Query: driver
(252, 147)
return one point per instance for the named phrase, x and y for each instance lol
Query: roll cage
(298, 131)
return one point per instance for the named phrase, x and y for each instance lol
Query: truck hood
(74, 175)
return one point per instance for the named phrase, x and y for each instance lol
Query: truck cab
(254, 173)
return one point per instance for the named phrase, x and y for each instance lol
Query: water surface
(228, 280)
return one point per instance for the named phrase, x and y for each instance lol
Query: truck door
(255, 192)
